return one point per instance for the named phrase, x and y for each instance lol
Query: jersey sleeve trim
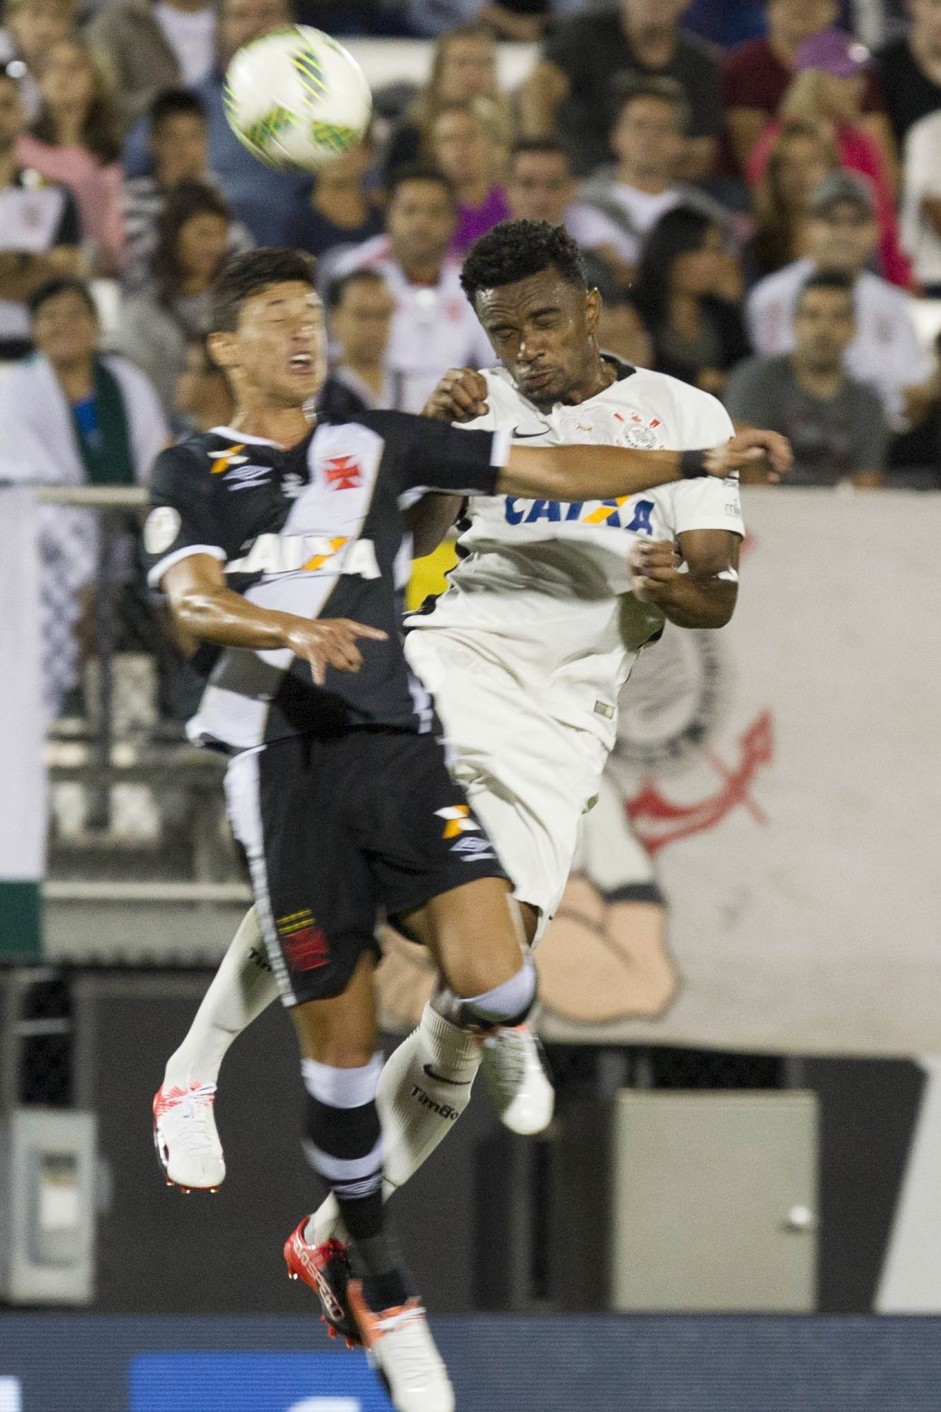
(156, 573)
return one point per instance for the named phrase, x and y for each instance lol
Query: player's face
(420, 222)
(278, 351)
(540, 187)
(843, 237)
(824, 327)
(542, 331)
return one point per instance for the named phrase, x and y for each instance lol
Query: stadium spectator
(618, 206)
(434, 326)
(885, 352)
(799, 158)
(921, 202)
(151, 45)
(203, 399)
(40, 229)
(835, 424)
(341, 209)
(466, 148)
(264, 200)
(698, 336)
(621, 330)
(571, 89)
(159, 321)
(70, 416)
(540, 187)
(463, 68)
(909, 69)
(359, 312)
(75, 141)
(178, 140)
(828, 86)
(31, 28)
(756, 76)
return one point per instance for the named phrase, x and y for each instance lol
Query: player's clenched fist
(655, 567)
(460, 396)
(331, 643)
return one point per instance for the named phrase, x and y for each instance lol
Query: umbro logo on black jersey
(526, 435)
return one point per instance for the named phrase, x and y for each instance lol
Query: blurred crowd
(756, 188)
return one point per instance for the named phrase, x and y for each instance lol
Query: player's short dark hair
(420, 171)
(825, 279)
(541, 146)
(659, 87)
(246, 274)
(64, 284)
(174, 103)
(514, 250)
(337, 288)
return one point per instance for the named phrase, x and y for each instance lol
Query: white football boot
(519, 1085)
(185, 1136)
(401, 1350)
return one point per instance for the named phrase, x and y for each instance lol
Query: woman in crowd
(697, 335)
(343, 210)
(828, 87)
(75, 141)
(158, 323)
(463, 68)
(800, 156)
(72, 416)
(465, 146)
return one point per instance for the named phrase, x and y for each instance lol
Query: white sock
(243, 986)
(417, 1108)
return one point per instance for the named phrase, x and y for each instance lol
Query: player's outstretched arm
(205, 607)
(604, 472)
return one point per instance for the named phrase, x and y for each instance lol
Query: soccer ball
(296, 98)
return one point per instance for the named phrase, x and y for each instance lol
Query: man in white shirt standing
(433, 326)
(886, 352)
(617, 206)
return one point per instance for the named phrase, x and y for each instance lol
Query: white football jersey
(542, 586)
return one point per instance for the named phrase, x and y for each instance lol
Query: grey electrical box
(47, 1206)
(713, 1202)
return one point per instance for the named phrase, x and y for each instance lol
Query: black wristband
(693, 464)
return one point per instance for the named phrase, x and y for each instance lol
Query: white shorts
(529, 777)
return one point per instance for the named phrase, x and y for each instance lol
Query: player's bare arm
(583, 472)
(430, 520)
(702, 596)
(206, 608)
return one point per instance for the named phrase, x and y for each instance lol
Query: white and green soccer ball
(296, 98)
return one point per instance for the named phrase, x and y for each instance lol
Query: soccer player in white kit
(525, 654)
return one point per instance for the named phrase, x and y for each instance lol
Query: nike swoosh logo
(440, 1079)
(526, 435)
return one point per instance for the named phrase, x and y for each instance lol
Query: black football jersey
(317, 531)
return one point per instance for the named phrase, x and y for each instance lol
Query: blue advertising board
(254, 1382)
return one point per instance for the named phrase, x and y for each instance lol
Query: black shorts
(336, 831)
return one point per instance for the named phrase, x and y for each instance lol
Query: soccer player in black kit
(283, 548)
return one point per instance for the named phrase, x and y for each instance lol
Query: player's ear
(222, 349)
(592, 309)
